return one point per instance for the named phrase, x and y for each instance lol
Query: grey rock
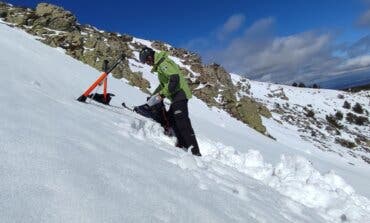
(55, 17)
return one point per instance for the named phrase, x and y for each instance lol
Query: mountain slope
(317, 116)
(293, 116)
(322, 149)
(64, 161)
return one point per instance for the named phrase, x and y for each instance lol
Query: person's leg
(171, 120)
(184, 130)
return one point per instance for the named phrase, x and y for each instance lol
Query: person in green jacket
(172, 85)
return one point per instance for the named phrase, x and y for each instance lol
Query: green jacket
(166, 68)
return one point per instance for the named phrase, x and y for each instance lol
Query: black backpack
(156, 112)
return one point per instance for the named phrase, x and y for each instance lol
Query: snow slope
(293, 128)
(354, 169)
(64, 161)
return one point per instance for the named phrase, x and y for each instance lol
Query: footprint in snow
(36, 83)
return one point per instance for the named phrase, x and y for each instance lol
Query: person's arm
(171, 86)
(173, 83)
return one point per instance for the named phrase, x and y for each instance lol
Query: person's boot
(195, 151)
(178, 145)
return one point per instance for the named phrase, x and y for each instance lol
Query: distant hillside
(358, 88)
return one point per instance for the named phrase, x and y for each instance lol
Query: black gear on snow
(156, 112)
(100, 98)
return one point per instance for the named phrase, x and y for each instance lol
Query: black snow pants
(179, 119)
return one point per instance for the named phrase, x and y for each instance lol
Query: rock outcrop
(54, 17)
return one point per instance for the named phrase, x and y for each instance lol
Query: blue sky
(276, 41)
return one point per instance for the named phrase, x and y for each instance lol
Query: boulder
(41, 31)
(126, 38)
(246, 110)
(215, 73)
(159, 46)
(178, 52)
(54, 41)
(55, 17)
(17, 15)
(17, 19)
(91, 41)
(75, 40)
(134, 78)
(207, 94)
(3, 13)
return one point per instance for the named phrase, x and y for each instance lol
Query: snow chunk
(187, 161)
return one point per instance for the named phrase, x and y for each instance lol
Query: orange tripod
(102, 78)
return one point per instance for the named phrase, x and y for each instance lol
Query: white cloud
(288, 53)
(262, 56)
(359, 61)
(197, 43)
(262, 26)
(361, 47)
(356, 64)
(232, 24)
(307, 56)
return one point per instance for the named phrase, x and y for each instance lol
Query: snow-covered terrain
(65, 161)
(294, 102)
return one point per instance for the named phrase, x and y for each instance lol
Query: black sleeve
(174, 81)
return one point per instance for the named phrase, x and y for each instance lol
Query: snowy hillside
(304, 113)
(64, 161)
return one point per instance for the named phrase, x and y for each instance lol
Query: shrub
(294, 84)
(3, 14)
(301, 84)
(358, 120)
(313, 133)
(345, 143)
(346, 105)
(339, 115)
(310, 113)
(366, 159)
(333, 121)
(358, 108)
(315, 86)
(350, 117)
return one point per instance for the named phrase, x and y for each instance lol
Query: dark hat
(144, 53)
